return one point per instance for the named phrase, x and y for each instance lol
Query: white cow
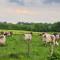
(2, 40)
(28, 36)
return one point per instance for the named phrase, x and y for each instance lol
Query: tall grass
(16, 48)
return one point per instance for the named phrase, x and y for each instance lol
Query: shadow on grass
(15, 55)
(1, 45)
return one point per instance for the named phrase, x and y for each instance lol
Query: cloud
(36, 3)
(30, 3)
(27, 2)
(52, 2)
(19, 2)
(28, 11)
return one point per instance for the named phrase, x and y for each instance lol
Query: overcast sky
(46, 11)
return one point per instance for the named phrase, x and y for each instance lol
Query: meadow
(17, 49)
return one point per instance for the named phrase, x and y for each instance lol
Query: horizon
(28, 22)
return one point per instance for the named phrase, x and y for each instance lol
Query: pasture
(16, 47)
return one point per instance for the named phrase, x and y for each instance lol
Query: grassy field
(16, 48)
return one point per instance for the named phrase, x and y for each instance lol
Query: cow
(28, 36)
(6, 33)
(2, 40)
(49, 38)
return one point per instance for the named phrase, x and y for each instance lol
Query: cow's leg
(57, 43)
(54, 42)
(50, 43)
(46, 43)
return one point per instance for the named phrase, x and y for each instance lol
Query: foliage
(38, 27)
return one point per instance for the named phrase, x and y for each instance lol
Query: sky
(37, 11)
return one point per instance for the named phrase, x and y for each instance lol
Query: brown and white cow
(6, 33)
(48, 38)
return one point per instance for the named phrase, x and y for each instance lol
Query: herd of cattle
(46, 37)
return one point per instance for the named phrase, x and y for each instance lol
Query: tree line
(37, 27)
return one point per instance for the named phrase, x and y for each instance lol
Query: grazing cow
(48, 38)
(2, 40)
(7, 33)
(28, 36)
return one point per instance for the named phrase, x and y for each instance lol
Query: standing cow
(2, 40)
(28, 38)
(48, 38)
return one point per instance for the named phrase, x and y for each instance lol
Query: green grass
(16, 48)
